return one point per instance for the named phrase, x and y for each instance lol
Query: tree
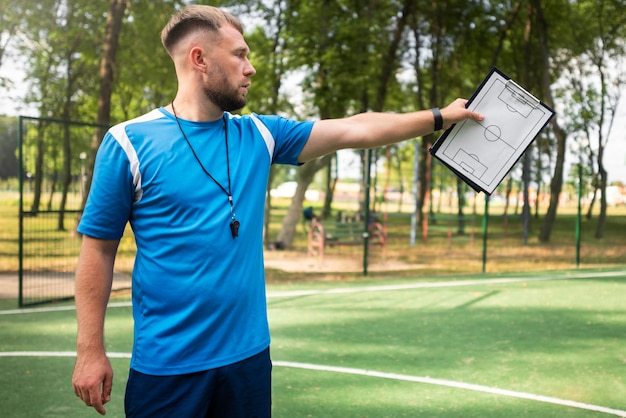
(345, 76)
(594, 42)
(556, 183)
(268, 46)
(603, 104)
(358, 55)
(106, 77)
(446, 62)
(144, 73)
(60, 67)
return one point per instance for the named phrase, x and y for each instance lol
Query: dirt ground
(293, 261)
(8, 285)
(288, 261)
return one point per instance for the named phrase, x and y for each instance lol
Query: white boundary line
(379, 288)
(427, 285)
(57, 309)
(372, 373)
(453, 384)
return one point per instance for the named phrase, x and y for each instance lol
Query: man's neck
(194, 110)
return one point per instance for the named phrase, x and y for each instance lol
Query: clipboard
(482, 153)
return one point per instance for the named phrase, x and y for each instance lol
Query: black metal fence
(52, 172)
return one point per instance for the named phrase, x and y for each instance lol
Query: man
(191, 178)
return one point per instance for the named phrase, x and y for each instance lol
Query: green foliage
(62, 46)
(339, 52)
(339, 46)
(145, 76)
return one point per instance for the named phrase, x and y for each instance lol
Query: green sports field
(537, 345)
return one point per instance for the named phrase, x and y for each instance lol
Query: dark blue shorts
(238, 390)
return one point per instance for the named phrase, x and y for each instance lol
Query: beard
(225, 100)
(221, 93)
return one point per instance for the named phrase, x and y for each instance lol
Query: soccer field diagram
(485, 151)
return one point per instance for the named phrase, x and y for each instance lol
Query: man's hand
(457, 112)
(93, 380)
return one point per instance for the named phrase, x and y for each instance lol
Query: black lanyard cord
(234, 225)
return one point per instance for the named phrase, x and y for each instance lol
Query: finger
(94, 399)
(107, 387)
(84, 396)
(98, 406)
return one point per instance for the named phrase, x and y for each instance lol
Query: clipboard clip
(519, 93)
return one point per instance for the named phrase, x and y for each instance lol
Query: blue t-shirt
(198, 294)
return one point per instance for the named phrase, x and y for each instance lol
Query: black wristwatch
(438, 118)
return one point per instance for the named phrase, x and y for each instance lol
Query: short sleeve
(110, 199)
(290, 137)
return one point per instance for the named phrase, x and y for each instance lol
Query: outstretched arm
(93, 376)
(370, 130)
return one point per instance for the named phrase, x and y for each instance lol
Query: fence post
(485, 224)
(578, 213)
(20, 175)
(366, 209)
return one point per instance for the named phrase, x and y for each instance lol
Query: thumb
(477, 116)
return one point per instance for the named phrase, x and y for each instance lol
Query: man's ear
(196, 55)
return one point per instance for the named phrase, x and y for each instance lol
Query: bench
(343, 233)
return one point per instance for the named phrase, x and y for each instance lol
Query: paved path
(8, 285)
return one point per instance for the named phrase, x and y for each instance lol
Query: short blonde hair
(192, 18)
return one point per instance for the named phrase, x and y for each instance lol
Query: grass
(557, 338)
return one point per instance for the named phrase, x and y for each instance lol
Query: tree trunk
(460, 192)
(107, 73)
(593, 200)
(526, 203)
(53, 185)
(331, 183)
(602, 174)
(526, 159)
(277, 70)
(603, 203)
(39, 172)
(556, 184)
(306, 173)
(66, 175)
(539, 182)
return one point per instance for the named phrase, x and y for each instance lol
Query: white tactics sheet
(482, 153)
